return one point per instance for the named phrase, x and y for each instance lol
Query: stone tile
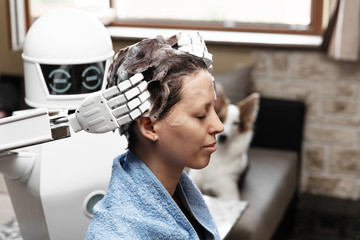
(314, 158)
(279, 65)
(339, 106)
(346, 121)
(266, 88)
(314, 66)
(345, 90)
(299, 91)
(260, 60)
(329, 134)
(345, 160)
(329, 186)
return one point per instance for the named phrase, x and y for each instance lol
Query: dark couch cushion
(279, 124)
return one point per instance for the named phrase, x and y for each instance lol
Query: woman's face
(186, 136)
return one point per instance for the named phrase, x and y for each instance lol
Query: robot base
(69, 176)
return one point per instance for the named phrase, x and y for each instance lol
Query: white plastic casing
(62, 37)
(31, 127)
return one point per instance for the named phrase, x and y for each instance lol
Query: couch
(271, 183)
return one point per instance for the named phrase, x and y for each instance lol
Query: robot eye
(73, 79)
(59, 81)
(91, 78)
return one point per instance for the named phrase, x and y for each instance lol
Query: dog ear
(221, 101)
(249, 108)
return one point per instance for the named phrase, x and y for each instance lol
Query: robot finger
(124, 109)
(134, 114)
(136, 91)
(136, 102)
(117, 101)
(136, 78)
(140, 110)
(127, 96)
(123, 86)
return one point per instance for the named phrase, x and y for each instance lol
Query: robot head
(66, 55)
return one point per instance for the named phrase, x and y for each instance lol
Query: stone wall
(331, 92)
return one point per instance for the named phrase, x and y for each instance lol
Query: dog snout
(222, 138)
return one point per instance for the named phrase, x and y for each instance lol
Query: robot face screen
(73, 79)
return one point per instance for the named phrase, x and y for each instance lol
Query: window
(99, 8)
(231, 17)
(280, 16)
(275, 16)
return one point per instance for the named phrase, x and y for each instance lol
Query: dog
(230, 161)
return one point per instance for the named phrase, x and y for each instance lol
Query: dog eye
(236, 123)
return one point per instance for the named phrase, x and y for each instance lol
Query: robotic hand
(104, 111)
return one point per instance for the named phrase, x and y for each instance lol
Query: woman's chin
(201, 163)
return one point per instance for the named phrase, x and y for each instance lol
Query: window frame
(314, 29)
(243, 35)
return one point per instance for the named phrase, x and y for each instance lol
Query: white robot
(53, 185)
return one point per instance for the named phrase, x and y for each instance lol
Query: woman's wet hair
(163, 66)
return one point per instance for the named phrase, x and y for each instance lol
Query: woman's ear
(146, 127)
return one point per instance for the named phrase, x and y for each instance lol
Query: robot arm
(25, 128)
(30, 127)
(100, 112)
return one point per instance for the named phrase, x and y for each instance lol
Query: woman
(149, 195)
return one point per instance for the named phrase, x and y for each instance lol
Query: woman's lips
(211, 147)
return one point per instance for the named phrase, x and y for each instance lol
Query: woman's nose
(217, 126)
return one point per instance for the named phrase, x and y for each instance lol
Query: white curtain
(341, 39)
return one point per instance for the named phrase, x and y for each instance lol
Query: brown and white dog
(220, 178)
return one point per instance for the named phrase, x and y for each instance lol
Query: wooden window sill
(223, 37)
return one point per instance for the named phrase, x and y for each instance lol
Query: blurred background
(306, 51)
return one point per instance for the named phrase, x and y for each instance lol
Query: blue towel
(137, 206)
